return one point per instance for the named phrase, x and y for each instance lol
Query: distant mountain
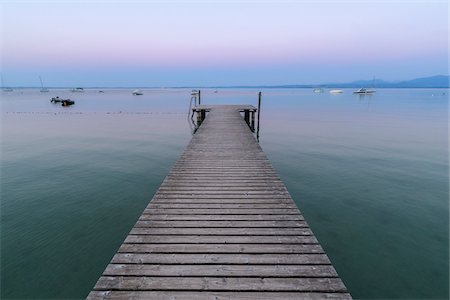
(438, 81)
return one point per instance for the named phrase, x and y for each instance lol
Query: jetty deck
(221, 226)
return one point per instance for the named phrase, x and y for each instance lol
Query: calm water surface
(369, 173)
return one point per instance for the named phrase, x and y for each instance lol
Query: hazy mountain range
(438, 81)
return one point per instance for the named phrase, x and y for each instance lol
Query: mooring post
(259, 111)
(247, 116)
(199, 118)
(253, 121)
(201, 115)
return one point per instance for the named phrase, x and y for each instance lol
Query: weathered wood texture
(221, 226)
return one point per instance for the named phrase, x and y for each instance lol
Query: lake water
(369, 173)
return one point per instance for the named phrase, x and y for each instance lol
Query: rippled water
(369, 173)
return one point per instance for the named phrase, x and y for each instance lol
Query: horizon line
(298, 85)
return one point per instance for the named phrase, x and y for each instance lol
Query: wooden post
(203, 114)
(199, 97)
(247, 116)
(199, 118)
(253, 121)
(259, 111)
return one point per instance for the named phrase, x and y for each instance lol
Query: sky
(211, 43)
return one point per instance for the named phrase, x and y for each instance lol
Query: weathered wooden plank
(228, 172)
(220, 270)
(220, 239)
(193, 200)
(227, 217)
(225, 170)
(229, 211)
(217, 185)
(185, 295)
(221, 248)
(136, 283)
(223, 196)
(244, 180)
(215, 177)
(275, 259)
(200, 166)
(242, 193)
(205, 165)
(223, 189)
(220, 206)
(222, 231)
(225, 224)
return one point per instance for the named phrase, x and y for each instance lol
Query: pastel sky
(201, 43)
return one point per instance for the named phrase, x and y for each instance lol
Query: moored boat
(64, 102)
(336, 91)
(364, 91)
(138, 92)
(56, 99)
(67, 102)
(43, 89)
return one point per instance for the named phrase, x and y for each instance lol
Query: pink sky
(269, 42)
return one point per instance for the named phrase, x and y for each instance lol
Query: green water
(370, 174)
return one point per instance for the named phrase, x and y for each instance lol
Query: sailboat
(5, 89)
(43, 90)
(364, 91)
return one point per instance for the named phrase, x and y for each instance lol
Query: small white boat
(138, 92)
(318, 90)
(77, 90)
(336, 91)
(363, 91)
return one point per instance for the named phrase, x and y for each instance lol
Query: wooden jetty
(221, 226)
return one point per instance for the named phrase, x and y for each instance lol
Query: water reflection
(364, 99)
(365, 179)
